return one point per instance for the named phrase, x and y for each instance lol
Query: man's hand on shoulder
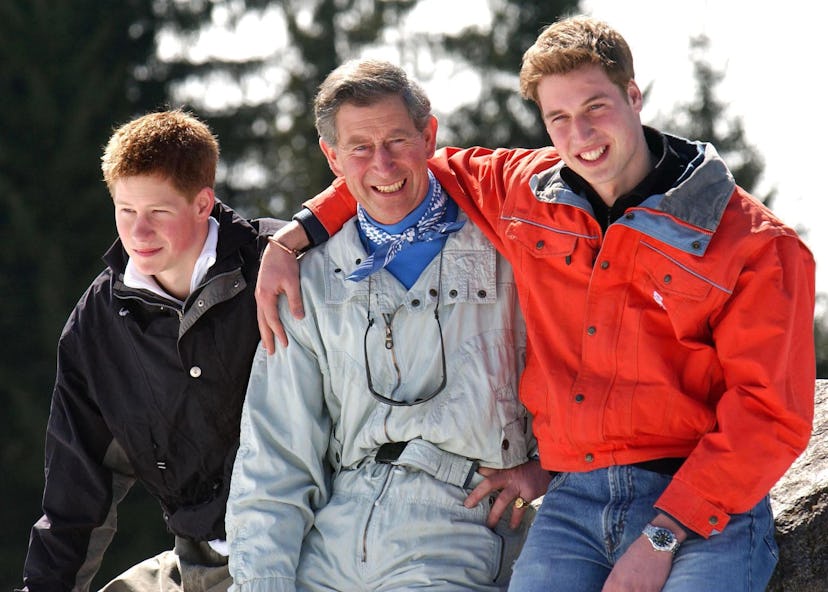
(279, 274)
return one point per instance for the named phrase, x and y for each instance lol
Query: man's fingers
(265, 333)
(477, 494)
(278, 274)
(275, 325)
(517, 516)
(501, 505)
(270, 325)
(294, 298)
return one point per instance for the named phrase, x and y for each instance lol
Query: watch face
(663, 538)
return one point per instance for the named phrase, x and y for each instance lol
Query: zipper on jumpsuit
(389, 345)
(385, 486)
(388, 318)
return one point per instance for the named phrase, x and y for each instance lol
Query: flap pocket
(541, 241)
(672, 277)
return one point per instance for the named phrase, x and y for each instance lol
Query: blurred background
(73, 70)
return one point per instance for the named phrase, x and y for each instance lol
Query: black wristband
(312, 227)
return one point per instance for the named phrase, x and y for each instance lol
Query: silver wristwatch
(662, 539)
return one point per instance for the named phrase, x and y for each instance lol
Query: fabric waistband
(425, 456)
(664, 466)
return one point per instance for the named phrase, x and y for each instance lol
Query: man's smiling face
(382, 157)
(596, 128)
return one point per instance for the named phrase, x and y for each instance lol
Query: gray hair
(363, 83)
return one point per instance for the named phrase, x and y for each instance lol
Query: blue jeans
(588, 520)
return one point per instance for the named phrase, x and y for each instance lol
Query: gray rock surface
(800, 501)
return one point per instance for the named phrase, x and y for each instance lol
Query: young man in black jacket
(152, 368)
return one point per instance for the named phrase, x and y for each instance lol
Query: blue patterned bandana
(428, 228)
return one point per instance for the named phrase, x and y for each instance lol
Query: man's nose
(582, 127)
(383, 158)
(142, 226)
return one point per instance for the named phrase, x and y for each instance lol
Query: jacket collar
(697, 200)
(468, 274)
(669, 167)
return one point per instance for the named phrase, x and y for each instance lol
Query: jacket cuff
(686, 505)
(333, 207)
(317, 234)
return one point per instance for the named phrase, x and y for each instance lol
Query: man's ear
(204, 202)
(330, 154)
(430, 135)
(634, 96)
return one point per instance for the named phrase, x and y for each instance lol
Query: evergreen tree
(706, 118)
(501, 117)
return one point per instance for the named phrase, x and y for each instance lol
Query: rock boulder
(800, 505)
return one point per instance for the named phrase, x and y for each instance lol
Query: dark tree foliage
(68, 70)
(278, 136)
(706, 118)
(501, 117)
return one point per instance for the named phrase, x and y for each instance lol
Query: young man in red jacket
(670, 319)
